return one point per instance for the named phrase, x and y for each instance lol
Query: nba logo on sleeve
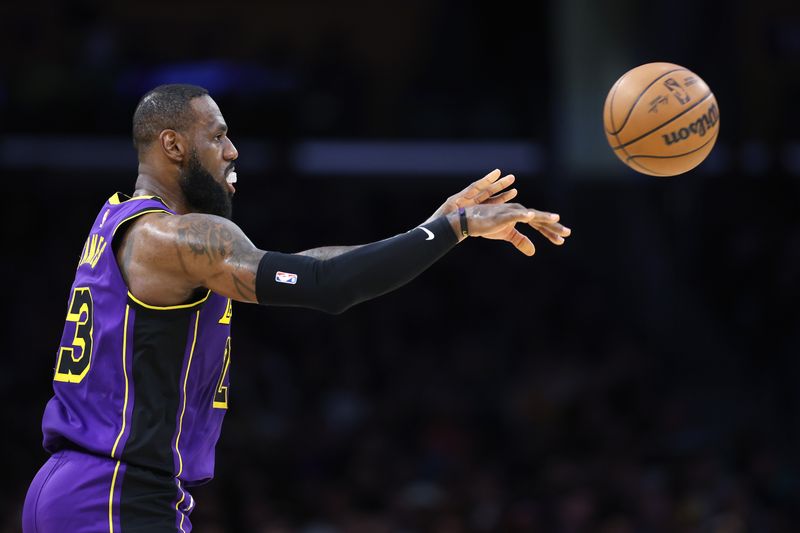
(285, 277)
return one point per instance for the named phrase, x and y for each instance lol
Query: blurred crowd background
(641, 379)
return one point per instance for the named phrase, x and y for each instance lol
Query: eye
(218, 137)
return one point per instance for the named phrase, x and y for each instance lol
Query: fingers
(554, 231)
(490, 178)
(521, 242)
(462, 199)
(551, 235)
(556, 228)
(498, 222)
(543, 217)
(503, 197)
(484, 189)
(512, 214)
(494, 188)
(475, 188)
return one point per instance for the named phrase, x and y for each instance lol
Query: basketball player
(141, 374)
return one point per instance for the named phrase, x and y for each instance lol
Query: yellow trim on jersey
(226, 316)
(116, 198)
(169, 307)
(183, 409)
(125, 372)
(177, 505)
(223, 389)
(111, 500)
(140, 213)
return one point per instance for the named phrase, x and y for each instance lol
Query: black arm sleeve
(336, 284)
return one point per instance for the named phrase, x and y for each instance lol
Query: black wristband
(462, 218)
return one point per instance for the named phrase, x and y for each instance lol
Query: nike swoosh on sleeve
(431, 236)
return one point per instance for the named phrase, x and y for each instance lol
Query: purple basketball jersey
(142, 384)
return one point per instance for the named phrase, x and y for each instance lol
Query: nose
(230, 153)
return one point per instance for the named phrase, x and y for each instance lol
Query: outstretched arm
(174, 255)
(165, 259)
(373, 269)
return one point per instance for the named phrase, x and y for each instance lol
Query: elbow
(339, 289)
(338, 301)
(336, 309)
(338, 306)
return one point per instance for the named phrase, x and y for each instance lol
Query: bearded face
(203, 193)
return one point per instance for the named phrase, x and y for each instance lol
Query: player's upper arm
(198, 250)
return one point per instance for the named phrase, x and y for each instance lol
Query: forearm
(359, 274)
(328, 252)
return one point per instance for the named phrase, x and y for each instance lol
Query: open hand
(499, 221)
(487, 190)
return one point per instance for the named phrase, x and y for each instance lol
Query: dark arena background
(643, 378)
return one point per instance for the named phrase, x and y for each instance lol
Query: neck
(150, 182)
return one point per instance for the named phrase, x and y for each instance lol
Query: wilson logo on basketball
(698, 127)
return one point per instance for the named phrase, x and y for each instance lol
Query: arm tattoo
(245, 290)
(202, 237)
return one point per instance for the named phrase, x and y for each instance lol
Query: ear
(174, 145)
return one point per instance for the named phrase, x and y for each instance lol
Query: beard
(202, 192)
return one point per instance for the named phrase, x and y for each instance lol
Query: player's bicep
(212, 252)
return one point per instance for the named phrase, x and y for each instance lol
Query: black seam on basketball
(630, 111)
(713, 137)
(679, 115)
(638, 164)
(652, 172)
(623, 149)
(616, 135)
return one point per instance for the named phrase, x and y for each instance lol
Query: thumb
(521, 242)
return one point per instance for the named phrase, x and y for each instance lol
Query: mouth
(230, 179)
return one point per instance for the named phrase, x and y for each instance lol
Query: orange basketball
(661, 119)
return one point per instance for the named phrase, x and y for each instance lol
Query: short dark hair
(165, 107)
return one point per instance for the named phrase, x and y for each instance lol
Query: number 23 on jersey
(74, 360)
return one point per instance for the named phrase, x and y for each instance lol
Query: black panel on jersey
(159, 343)
(147, 501)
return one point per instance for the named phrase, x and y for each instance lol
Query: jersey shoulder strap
(121, 208)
